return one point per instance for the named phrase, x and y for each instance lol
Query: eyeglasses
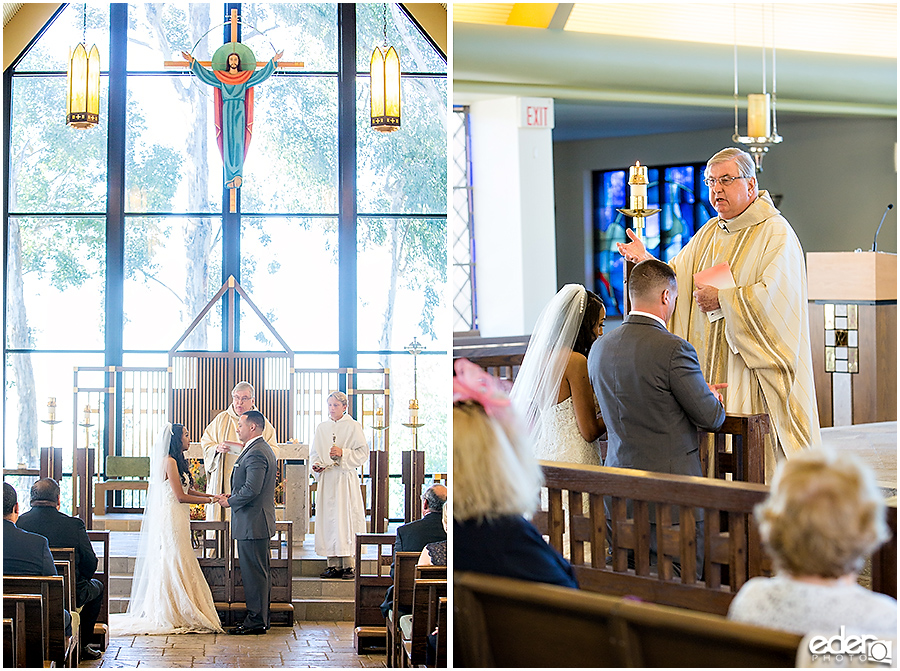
(724, 181)
(242, 399)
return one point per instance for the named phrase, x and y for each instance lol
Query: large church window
(61, 276)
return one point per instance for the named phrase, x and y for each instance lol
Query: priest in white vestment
(339, 448)
(760, 345)
(221, 447)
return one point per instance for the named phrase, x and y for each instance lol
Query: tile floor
(305, 645)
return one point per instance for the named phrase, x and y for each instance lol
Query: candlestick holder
(52, 423)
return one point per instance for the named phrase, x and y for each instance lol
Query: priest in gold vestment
(760, 346)
(219, 456)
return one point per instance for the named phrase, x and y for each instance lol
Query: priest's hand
(714, 388)
(335, 452)
(318, 468)
(633, 251)
(222, 448)
(707, 297)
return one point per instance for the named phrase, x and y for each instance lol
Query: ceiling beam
(23, 26)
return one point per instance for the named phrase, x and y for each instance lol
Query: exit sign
(535, 112)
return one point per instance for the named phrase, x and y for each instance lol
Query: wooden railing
(731, 549)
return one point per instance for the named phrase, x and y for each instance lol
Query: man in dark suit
(649, 384)
(25, 553)
(413, 537)
(252, 501)
(62, 531)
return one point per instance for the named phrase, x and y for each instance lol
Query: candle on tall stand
(414, 348)
(379, 427)
(87, 425)
(638, 211)
(51, 414)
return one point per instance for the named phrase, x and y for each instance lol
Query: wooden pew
(732, 550)
(61, 649)
(369, 630)
(64, 560)
(427, 594)
(26, 613)
(505, 622)
(404, 581)
(101, 629)
(746, 460)
(441, 648)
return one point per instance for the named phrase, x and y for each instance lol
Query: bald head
(434, 498)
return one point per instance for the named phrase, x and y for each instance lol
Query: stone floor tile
(119, 663)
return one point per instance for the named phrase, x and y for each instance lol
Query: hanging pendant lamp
(83, 84)
(384, 70)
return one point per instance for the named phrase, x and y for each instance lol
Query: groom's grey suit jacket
(253, 492)
(653, 397)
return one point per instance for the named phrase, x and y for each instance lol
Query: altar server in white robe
(339, 448)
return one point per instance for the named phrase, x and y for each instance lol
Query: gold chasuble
(761, 347)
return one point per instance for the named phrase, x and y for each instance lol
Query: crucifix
(233, 73)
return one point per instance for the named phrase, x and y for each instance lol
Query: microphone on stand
(875, 241)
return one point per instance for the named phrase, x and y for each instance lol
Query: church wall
(836, 175)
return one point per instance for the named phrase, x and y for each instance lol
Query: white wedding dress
(169, 594)
(560, 440)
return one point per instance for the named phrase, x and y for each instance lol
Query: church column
(347, 212)
(515, 239)
(115, 213)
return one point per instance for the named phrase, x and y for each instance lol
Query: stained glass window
(683, 200)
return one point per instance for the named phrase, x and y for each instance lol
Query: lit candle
(637, 180)
(379, 418)
(87, 414)
(51, 408)
(413, 411)
(758, 117)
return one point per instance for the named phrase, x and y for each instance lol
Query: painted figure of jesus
(234, 104)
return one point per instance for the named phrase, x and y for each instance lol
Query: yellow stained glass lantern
(83, 87)
(385, 73)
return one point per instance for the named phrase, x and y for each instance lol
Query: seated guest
(435, 554)
(416, 535)
(823, 516)
(63, 531)
(25, 553)
(497, 484)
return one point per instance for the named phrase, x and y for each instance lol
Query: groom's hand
(223, 501)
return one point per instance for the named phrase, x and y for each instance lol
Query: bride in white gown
(169, 594)
(552, 389)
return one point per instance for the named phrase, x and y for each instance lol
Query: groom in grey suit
(650, 387)
(252, 501)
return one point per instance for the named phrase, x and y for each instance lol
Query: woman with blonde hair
(823, 516)
(496, 485)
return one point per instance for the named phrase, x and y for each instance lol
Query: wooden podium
(853, 335)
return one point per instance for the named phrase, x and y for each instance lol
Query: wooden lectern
(853, 335)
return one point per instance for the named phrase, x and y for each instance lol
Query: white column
(515, 228)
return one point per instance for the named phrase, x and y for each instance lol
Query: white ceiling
(621, 84)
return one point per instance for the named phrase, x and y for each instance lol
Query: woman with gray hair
(496, 485)
(823, 516)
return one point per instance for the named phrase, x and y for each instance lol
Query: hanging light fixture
(83, 83)
(384, 70)
(762, 124)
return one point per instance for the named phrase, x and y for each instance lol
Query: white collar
(647, 314)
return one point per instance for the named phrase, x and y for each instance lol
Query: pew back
(731, 548)
(60, 648)
(427, 594)
(506, 622)
(29, 634)
(370, 584)
(404, 581)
